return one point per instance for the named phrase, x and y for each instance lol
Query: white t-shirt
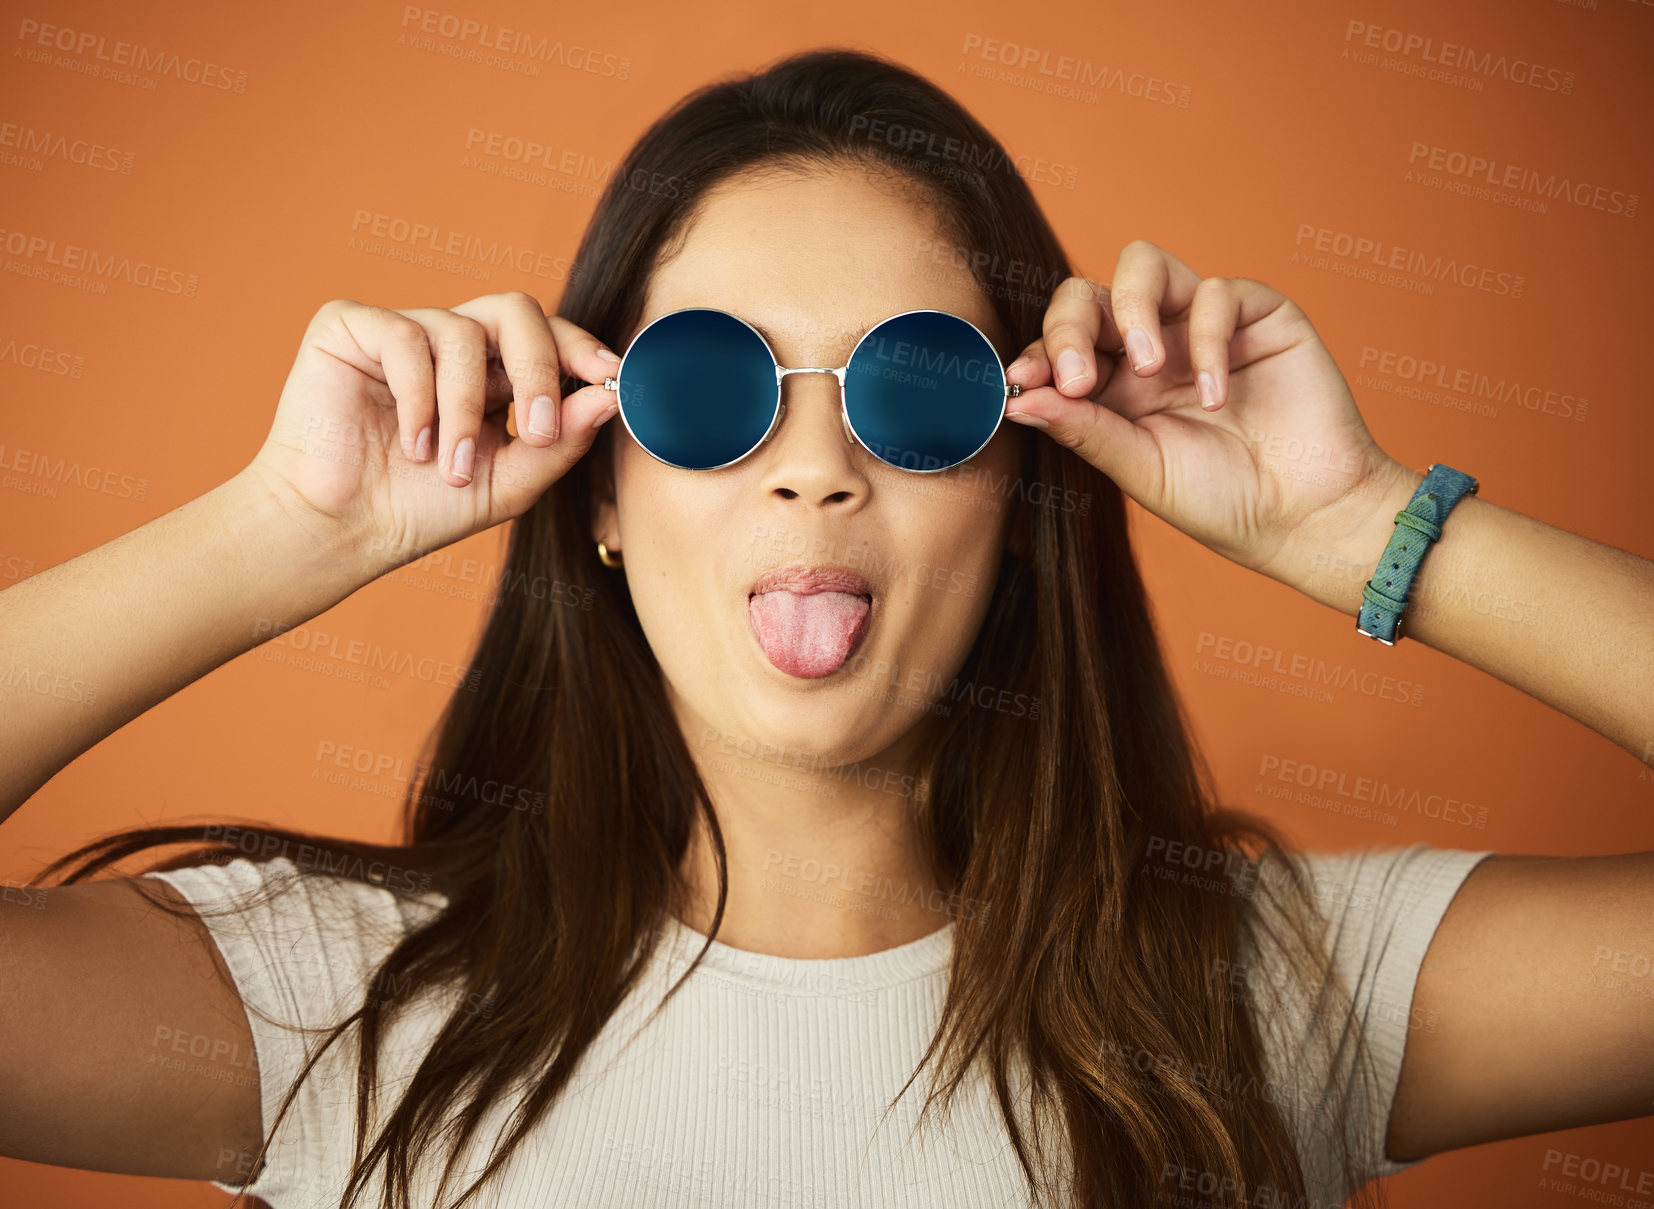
(761, 1082)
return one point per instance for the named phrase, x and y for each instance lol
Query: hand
(1278, 449)
(375, 392)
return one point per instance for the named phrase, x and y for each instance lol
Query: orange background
(253, 192)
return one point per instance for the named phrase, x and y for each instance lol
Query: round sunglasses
(700, 389)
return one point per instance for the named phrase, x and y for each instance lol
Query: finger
(497, 389)
(535, 350)
(1211, 328)
(459, 347)
(585, 357)
(1031, 368)
(517, 329)
(521, 472)
(401, 347)
(1149, 284)
(1254, 301)
(1120, 448)
(1075, 323)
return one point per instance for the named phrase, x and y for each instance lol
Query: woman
(708, 883)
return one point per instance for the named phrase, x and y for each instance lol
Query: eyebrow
(769, 337)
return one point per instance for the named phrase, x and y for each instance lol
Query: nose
(811, 455)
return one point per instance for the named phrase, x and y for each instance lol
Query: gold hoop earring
(605, 557)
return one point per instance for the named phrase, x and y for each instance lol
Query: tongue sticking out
(808, 635)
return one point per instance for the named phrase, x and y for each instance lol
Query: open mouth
(809, 620)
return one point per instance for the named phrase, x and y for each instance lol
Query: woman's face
(812, 261)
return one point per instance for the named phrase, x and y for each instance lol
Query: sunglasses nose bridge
(782, 371)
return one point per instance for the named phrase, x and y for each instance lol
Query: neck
(824, 862)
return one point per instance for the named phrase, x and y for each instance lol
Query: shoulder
(1329, 955)
(1365, 890)
(297, 936)
(1365, 916)
(302, 942)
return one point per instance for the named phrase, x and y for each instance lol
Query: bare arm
(1539, 982)
(126, 1047)
(1567, 620)
(327, 506)
(1539, 973)
(1226, 372)
(91, 643)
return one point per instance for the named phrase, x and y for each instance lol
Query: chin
(841, 721)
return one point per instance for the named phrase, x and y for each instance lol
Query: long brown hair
(1095, 967)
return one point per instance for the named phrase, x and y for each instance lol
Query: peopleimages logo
(72, 261)
(42, 474)
(1473, 382)
(916, 140)
(1447, 60)
(477, 37)
(1376, 790)
(377, 233)
(1372, 259)
(1309, 670)
(1066, 76)
(118, 54)
(1514, 178)
(1588, 1178)
(49, 144)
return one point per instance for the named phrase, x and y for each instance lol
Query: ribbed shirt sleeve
(1383, 906)
(304, 955)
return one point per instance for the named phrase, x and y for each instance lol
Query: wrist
(1334, 553)
(315, 562)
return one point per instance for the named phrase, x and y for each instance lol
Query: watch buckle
(1375, 637)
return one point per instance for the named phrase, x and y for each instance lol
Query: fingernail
(462, 458)
(1207, 388)
(1140, 348)
(600, 417)
(1022, 417)
(1070, 366)
(542, 417)
(1019, 363)
(422, 446)
(608, 356)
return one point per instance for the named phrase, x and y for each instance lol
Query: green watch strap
(1417, 526)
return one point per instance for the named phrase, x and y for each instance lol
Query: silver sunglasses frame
(1012, 390)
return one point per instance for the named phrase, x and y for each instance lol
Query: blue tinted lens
(697, 388)
(924, 390)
